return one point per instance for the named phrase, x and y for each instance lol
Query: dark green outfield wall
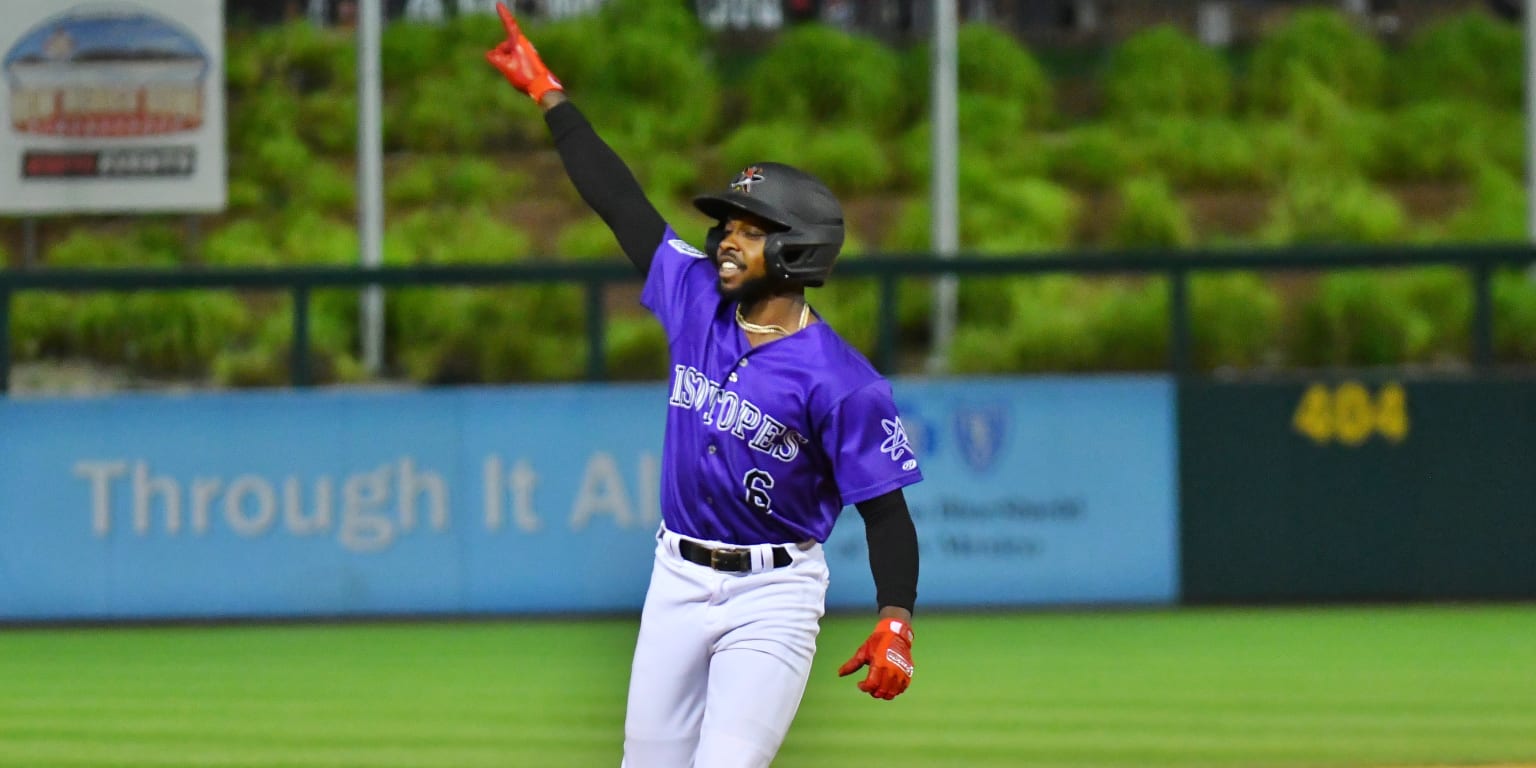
(1353, 489)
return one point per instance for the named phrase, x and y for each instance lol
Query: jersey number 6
(758, 482)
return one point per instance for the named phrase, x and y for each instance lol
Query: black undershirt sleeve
(892, 548)
(606, 183)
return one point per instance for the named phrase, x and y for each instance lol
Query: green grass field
(1398, 686)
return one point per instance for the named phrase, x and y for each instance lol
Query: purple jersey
(764, 444)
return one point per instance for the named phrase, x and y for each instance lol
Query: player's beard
(748, 291)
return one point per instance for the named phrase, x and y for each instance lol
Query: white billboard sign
(112, 106)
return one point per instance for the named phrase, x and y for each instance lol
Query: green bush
(1470, 57)
(1235, 320)
(1317, 44)
(446, 335)
(1150, 216)
(1329, 134)
(310, 239)
(1333, 209)
(1093, 156)
(1162, 71)
(1016, 215)
(327, 122)
(1360, 318)
(430, 115)
(257, 115)
(990, 62)
(329, 189)
(817, 75)
(1497, 211)
(1053, 327)
(262, 357)
(635, 349)
(754, 142)
(453, 180)
(1432, 140)
(587, 238)
(242, 243)
(1514, 317)
(1211, 153)
(1130, 322)
(411, 51)
(280, 160)
(849, 160)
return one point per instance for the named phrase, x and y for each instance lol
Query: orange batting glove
(888, 652)
(519, 62)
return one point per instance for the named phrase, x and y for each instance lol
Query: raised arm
(598, 173)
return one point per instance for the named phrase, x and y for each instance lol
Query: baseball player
(774, 423)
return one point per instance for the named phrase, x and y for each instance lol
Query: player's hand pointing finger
(508, 21)
(519, 62)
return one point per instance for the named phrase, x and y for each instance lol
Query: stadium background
(1335, 442)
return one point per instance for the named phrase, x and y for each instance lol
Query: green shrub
(1130, 322)
(817, 75)
(1093, 156)
(453, 180)
(1316, 44)
(310, 239)
(152, 332)
(262, 358)
(754, 142)
(1360, 318)
(587, 238)
(1234, 320)
(991, 137)
(280, 160)
(849, 160)
(1333, 209)
(453, 236)
(329, 189)
(447, 335)
(851, 307)
(327, 122)
(990, 62)
(1432, 140)
(258, 114)
(1163, 71)
(1497, 211)
(1015, 215)
(1331, 135)
(635, 349)
(1053, 325)
(430, 116)
(657, 92)
(1514, 317)
(1211, 153)
(1150, 216)
(148, 244)
(241, 243)
(411, 51)
(1470, 57)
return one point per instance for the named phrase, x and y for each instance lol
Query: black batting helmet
(812, 220)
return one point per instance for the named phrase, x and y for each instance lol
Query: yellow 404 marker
(1349, 414)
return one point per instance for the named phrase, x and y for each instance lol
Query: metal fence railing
(1480, 261)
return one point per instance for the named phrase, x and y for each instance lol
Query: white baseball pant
(722, 659)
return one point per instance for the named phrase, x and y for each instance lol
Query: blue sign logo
(979, 433)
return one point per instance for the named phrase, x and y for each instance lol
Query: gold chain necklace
(750, 327)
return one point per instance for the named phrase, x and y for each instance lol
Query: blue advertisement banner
(538, 500)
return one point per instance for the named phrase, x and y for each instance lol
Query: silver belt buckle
(730, 559)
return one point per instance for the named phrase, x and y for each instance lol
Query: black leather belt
(730, 559)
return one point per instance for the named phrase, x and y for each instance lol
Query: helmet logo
(746, 179)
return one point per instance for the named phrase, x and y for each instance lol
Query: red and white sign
(112, 106)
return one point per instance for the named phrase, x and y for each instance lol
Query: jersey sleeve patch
(682, 246)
